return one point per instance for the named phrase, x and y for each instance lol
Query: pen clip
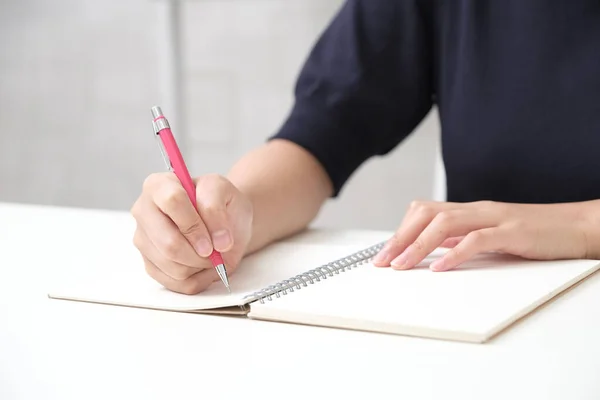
(164, 153)
(159, 123)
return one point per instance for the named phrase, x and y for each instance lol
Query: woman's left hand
(533, 231)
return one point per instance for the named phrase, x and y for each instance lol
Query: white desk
(51, 349)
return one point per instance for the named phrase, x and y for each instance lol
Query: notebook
(325, 278)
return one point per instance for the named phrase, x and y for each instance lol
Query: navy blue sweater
(516, 84)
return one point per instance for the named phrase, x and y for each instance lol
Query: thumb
(173, 201)
(214, 194)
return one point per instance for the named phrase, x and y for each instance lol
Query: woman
(517, 86)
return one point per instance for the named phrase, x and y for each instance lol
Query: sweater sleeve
(365, 86)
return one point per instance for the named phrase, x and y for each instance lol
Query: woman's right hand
(175, 238)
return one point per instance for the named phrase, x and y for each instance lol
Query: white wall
(77, 79)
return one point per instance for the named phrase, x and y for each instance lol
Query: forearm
(286, 186)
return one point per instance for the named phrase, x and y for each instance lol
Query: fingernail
(221, 240)
(400, 261)
(380, 257)
(203, 247)
(383, 255)
(437, 265)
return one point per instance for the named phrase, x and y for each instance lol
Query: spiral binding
(315, 275)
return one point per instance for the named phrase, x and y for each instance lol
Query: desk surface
(52, 349)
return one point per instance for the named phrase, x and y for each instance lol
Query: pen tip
(223, 275)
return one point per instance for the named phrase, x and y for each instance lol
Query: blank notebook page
(118, 277)
(470, 303)
(109, 269)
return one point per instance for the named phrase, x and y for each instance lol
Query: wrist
(259, 234)
(588, 217)
(259, 237)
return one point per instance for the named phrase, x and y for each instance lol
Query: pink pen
(175, 163)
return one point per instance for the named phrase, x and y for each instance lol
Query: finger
(195, 284)
(214, 194)
(169, 267)
(480, 241)
(165, 235)
(451, 242)
(445, 224)
(171, 198)
(417, 218)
